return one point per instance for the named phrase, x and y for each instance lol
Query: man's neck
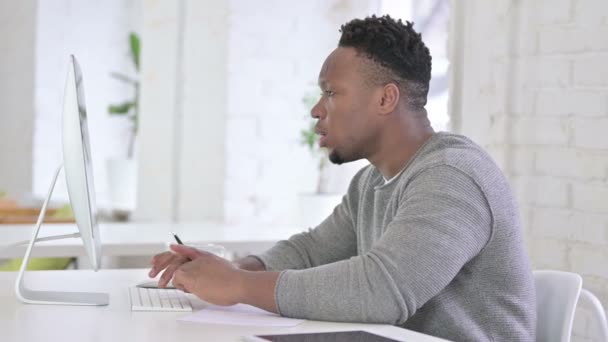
(401, 144)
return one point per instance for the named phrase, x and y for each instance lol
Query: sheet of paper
(240, 314)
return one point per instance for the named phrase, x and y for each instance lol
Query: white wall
(203, 133)
(222, 106)
(159, 58)
(534, 87)
(183, 105)
(97, 34)
(274, 60)
(17, 53)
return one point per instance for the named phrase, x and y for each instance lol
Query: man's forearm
(258, 288)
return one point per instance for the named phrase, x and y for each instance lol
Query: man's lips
(323, 141)
(322, 137)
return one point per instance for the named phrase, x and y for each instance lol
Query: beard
(337, 158)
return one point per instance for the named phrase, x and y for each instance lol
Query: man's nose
(317, 111)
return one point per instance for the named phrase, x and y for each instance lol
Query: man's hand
(209, 277)
(220, 282)
(169, 262)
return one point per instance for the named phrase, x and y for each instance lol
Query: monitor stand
(29, 296)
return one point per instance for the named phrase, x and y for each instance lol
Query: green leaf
(309, 137)
(135, 44)
(121, 109)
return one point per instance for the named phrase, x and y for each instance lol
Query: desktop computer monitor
(77, 163)
(79, 180)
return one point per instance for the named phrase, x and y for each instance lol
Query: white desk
(116, 322)
(132, 239)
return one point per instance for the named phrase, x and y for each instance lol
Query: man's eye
(329, 93)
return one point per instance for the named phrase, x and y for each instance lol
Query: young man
(428, 236)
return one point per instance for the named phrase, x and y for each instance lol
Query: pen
(179, 241)
(177, 238)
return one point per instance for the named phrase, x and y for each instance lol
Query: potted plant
(314, 207)
(122, 171)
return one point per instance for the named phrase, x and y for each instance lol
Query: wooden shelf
(29, 216)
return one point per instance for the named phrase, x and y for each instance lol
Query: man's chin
(337, 158)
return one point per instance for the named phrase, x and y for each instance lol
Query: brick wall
(535, 93)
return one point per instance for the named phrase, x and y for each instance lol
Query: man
(428, 236)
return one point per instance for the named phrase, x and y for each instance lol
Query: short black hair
(395, 52)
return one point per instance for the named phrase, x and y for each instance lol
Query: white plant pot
(122, 184)
(313, 208)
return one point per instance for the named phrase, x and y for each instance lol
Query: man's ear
(389, 99)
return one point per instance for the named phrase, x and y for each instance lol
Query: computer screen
(77, 163)
(79, 180)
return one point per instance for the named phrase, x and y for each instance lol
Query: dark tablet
(339, 336)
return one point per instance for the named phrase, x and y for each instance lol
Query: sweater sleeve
(334, 239)
(442, 222)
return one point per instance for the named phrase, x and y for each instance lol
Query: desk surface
(116, 322)
(129, 239)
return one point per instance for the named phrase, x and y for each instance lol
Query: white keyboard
(146, 299)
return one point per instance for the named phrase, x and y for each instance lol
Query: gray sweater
(438, 250)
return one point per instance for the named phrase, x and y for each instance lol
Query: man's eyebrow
(322, 83)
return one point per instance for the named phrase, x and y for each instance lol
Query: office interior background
(225, 88)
